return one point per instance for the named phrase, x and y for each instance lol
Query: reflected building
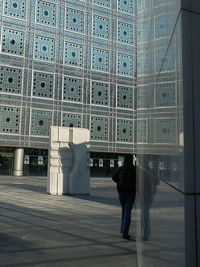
(66, 63)
(167, 130)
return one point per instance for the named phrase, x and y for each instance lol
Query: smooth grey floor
(37, 229)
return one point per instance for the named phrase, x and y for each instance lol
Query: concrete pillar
(18, 162)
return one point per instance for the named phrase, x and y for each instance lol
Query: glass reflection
(159, 135)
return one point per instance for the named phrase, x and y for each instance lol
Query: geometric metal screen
(70, 64)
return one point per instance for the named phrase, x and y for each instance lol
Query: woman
(125, 177)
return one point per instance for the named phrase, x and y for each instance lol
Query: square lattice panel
(15, 8)
(124, 131)
(124, 97)
(165, 95)
(46, 13)
(125, 33)
(100, 93)
(145, 97)
(100, 26)
(99, 128)
(9, 120)
(71, 120)
(125, 6)
(40, 122)
(44, 48)
(165, 62)
(73, 54)
(43, 84)
(74, 20)
(125, 64)
(72, 89)
(10, 80)
(12, 42)
(141, 126)
(100, 59)
(166, 131)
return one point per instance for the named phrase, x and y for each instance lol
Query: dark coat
(131, 186)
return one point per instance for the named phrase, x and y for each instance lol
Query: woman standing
(125, 178)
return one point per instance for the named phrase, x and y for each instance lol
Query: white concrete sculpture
(68, 168)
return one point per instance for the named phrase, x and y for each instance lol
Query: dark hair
(128, 159)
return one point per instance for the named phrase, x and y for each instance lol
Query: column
(18, 162)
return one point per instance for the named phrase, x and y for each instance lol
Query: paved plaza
(37, 229)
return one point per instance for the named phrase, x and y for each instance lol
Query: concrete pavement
(37, 229)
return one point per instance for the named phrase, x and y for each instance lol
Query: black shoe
(126, 237)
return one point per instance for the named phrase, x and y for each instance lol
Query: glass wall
(159, 138)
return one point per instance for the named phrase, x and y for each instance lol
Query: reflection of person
(147, 194)
(125, 177)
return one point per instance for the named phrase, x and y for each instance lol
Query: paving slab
(37, 229)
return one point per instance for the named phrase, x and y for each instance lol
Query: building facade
(66, 63)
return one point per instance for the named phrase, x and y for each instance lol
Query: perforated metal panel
(143, 32)
(9, 119)
(99, 128)
(72, 89)
(141, 126)
(165, 95)
(100, 59)
(15, 8)
(12, 42)
(105, 3)
(44, 48)
(166, 131)
(125, 33)
(73, 54)
(165, 62)
(145, 97)
(10, 80)
(145, 63)
(74, 20)
(42, 84)
(41, 120)
(125, 6)
(46, 13)
(99, 93)
(71, 120)
(100, 26)
(164, 25)
(124, 131)
(124, 97)
(125, 64)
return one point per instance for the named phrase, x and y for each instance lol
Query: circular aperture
(15, 5)
(46, 13)
(42, 84)
(100, 27)
(125, 33)
(99, 93)
(124, 64)
(41, 123)
(100, 59)
(12, 42)
(71, 125)
(124, 130)
(8, 119)
(99, 128)
(74, 20)
(72, 89)
(10, 80)
(73, 54)
(44, 48)
(125, 2)
(124, 97)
